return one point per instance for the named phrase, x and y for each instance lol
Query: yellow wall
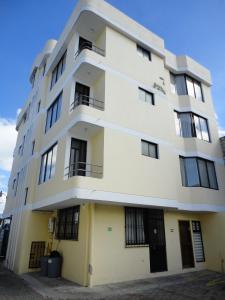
(113, 262)
(213, 226)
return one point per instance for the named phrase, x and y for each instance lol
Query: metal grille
(68, 223)
(135, 231)
(36, 252)
(198, 242)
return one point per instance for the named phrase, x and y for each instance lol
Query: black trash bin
(54, 264)
(44, 265)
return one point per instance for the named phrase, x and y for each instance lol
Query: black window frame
(58, 70)
(193, 81)
(50, 112)
(144, 50)
(193, 126)
(148, 93)
(26, 195)
(63, 224)
(44, 163)
(150, 144)
(206, 161)
(133, 227)
(33, 146)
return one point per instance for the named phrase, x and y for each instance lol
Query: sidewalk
(194, 285)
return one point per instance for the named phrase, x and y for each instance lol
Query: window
(146, 96)
(43, 71)
(198, 172)
(198, 242)
(134, 226)
(15, 184)
(22, 146)
(32, 148)
(58, 70)
(191, 125)
(48, 161)
(68, 223)
(149, 149)
(38, 106)
(26, 194)
(53, 112)
(144, 52)
(185, 85)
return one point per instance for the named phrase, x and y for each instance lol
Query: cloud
(3, 187)
(8, 137)
(221, 131)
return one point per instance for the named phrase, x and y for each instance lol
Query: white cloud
(221, 132)
(18, 111)
(8, 135)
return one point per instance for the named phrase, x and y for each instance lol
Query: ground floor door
(157, 242)
(186, 244)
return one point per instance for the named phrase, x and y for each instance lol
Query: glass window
(191, 125)
(68, 223)
(58, 70)
(144, 52)
(212, 175)
(191, 169)
(53, 112)
(198, 172)
(198, 91)
(173, 83)
(190, 87)
(204, 129)
(203, 173)
(134, 226)
(181, 85)
(48, 160)
(146, 96)
(186, 124)
(149, 149)
(185, 85)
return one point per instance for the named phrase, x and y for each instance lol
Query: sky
(194, 27)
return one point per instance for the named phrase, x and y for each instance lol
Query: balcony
(84, 169)
(81, 99)
(89, 46)
(84, 151)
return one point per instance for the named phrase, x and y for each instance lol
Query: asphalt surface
(205, 285)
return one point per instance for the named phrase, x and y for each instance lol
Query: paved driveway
(202, 285)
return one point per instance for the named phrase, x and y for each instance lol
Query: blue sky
(193, 27)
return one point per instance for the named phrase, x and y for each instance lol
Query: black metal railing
(84, 169)
(91, 47)
(88, 101)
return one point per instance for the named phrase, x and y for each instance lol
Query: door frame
(190, 226)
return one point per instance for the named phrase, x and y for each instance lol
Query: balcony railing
(84, 169)
(88, 101)
(92, 47)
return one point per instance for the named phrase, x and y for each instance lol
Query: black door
(78, 154)
(186, 244)
(157, 242)
(4, 235)
(82, 94)
(84, 44)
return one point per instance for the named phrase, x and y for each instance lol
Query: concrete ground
(195, 285)
(13, 287)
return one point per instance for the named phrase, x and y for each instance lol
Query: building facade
(118, 163)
